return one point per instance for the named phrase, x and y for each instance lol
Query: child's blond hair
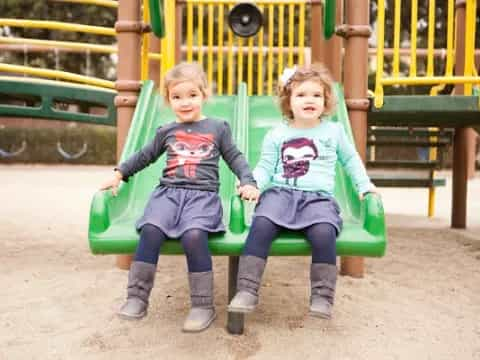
(315, 72)
(185, 71)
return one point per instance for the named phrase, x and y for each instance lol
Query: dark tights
(322, 238)
(194, 242)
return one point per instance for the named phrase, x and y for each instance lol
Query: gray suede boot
(202, 312)
(323, 278)
(140, 282)
(250, 272)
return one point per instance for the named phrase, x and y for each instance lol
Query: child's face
(307, 101)
(186, 100)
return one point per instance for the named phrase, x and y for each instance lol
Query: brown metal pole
(461, 137)
(317, 43)
(356, 32)
(154, 65)
(129, 28)
(328, 52)
(471, 152)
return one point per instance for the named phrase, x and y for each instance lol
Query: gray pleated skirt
(176, 210)
(296, 209)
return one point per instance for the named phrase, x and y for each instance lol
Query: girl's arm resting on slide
(141, 159)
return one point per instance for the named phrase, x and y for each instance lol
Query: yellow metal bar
(200, 34)
(396, 39)
(257, 2)
(260, 59)
(450, 38)
(301, 34)
(281, 34)
(57, 25)
(230, 63)
(189, 32)
(168, 42)
(431, 36)
(18, 69)
(59, 44)
(270, 51)
(220, 50)
(380, 46)
(106, 3)
(291, 33)
(429, 80)
(250, 66)
(210, 45)
(413, 38)
(470, 43)
(431, 202)
(240, 60)
(51, 44)
(145, 43)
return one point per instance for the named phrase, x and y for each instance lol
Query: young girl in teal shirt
(297, 167)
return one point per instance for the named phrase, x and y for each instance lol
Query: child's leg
(260, 238)
(200, 278)
(252, 264)
(323, 271)
(151, 240)
(142, 273)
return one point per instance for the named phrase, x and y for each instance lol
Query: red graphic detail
(189, 149)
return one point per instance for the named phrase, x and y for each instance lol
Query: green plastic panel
(156, 18)
(112, 219)
(329, 15)
(47, 92)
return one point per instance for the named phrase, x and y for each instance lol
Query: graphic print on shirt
(188, 150)
(296, 156)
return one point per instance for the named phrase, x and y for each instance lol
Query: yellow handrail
(18, 69)
(468, 78)
(58, 25)
(413, 39)
(145, 43)
(428, 80)
(106, 3)
(53, 44)
(396, 39)
(260, 59)
(220, 50)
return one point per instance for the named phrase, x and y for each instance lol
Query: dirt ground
(58, 301)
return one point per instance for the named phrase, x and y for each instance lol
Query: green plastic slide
(112, 219)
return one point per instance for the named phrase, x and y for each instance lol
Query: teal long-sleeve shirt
(305, 159)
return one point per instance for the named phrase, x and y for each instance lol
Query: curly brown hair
(185, 71)
(315, 72)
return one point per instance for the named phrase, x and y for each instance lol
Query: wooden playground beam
(128, 28)
(464, 139)
(356, 83)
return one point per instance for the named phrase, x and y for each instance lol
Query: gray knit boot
(202, 312)
(250, 272)
(140, 282)
(323, 278)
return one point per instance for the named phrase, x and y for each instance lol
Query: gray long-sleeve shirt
(193, 150)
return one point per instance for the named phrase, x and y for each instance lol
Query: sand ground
(420, 301)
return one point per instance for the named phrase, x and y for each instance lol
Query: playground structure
(235, 61)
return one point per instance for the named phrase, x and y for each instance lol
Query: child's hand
(249, 192)
(113, 183)
(373, 191)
